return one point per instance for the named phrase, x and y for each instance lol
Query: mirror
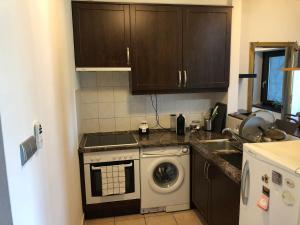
(272, 88)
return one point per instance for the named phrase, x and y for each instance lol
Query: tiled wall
(107, 105)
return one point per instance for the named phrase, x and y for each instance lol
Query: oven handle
(99, 167)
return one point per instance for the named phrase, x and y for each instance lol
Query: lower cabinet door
(224, 199)
(200, 184)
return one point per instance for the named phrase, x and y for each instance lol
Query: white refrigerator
(270, 188)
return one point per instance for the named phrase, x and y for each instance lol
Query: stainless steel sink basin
(221, 145)
(226, 151)
(235, 159)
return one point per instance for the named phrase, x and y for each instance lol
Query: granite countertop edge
(231, 171)
(162, 138)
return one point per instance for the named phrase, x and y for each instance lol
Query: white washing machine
(165, 179)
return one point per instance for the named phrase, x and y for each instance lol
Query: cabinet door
(200, 184)
(156, 40)
(101, 34)
(206, 47)
(225, 199)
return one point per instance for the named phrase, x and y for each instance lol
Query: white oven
(96, 162)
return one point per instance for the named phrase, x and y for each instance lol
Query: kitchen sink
(235, 159)
(224, 149)
(220, 145)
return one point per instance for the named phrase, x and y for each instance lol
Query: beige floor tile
(187, 218)
(161, 220)
(155, 214)
(129, 217)
(137, 221)
(102, 221)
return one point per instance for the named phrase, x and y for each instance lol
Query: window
(272, 79)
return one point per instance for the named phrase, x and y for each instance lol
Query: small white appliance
(165, 179)
(270, 189)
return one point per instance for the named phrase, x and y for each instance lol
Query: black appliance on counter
(219, 122)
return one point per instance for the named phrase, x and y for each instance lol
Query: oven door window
(96, 176)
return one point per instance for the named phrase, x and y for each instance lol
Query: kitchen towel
(113, 179)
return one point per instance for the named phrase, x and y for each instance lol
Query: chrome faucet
(290, 118)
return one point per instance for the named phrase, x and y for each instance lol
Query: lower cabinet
(214, 195)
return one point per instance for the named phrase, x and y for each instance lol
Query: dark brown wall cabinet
(180, 48)
(206, 47)
(101, 34)
(156, 48)
(215, 196)
(170, 48)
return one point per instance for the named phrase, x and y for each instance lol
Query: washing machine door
(166, 175)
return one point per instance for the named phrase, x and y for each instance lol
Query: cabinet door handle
(185, 78)
(204, 169)
(179, 78)
(207, 169)
(128, 55)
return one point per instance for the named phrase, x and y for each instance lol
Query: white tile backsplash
(121, 94)
(122, 109)
(123, 124)
(106, 94)
(107, 105)
(135, 121)
(106, 110)
(89, 95)
(105, 79)
(107, 125)
(88, 80)
(90, 125)
(89, 111)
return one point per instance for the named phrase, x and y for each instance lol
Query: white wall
(37, 83)
(266, 21)
(296, 93)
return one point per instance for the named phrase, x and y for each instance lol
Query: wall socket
(38, 134)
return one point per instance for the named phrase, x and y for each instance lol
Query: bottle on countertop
(180, 129)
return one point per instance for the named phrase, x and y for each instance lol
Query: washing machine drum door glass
(167, 176)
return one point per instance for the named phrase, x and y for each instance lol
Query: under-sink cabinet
(168, 48)
(215, 196)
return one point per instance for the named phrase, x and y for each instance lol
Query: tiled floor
(177, 218)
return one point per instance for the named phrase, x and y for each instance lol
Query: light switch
(27, 149)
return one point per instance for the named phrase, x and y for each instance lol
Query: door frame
(5, 206)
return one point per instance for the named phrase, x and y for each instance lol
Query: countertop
(231, 171)
(159, 138)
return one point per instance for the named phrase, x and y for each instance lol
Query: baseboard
(82, 219)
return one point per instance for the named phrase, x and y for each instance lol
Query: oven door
(93, 182)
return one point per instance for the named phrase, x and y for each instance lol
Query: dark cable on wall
(155, 107)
